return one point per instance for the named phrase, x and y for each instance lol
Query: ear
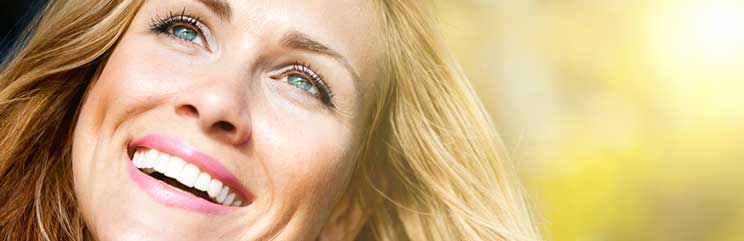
(346, 220)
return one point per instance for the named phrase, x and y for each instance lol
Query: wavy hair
(429, 137)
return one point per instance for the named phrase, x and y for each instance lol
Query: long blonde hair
(444, 176)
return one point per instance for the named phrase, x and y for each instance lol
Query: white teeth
(149, 158)
(223, 194)
(202, 182)
(174, 167)
(137, 160)
(229, 200)
(161, 163)
(188, 175)
(215, 186)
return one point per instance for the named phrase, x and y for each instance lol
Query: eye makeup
(181, 26)
(324, 92)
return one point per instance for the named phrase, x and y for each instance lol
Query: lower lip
(170, 196)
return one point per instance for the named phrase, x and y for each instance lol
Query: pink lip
(174, 197)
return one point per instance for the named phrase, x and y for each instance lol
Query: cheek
(126, 86)
(309, 163)
(119, 92)
(108, 94)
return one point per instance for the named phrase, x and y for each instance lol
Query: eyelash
(304, 69)
(161, 25)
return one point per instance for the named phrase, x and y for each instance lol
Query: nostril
(226, 126)
(192, 109)
(189, 110)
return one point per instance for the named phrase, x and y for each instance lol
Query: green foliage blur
(625, 117)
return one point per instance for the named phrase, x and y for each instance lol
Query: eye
(302, 77)
(302, 83)
(181, 26)
(187, 33)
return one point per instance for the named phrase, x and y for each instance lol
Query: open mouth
(185, 176)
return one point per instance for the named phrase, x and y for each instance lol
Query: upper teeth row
(185, 173)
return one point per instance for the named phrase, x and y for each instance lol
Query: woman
(247, 120)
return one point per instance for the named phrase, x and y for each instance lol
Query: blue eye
(302, 83)
(181, 26)
(302, 77)
(184, 33)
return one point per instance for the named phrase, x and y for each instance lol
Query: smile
(189, 178)
(177, 175)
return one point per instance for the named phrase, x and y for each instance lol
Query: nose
(219, 110)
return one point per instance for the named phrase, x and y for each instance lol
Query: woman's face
(236, 120)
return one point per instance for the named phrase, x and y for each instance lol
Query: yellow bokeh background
(625, 117)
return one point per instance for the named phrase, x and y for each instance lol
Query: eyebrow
(219, 7)
(300, 41)
(292, 39)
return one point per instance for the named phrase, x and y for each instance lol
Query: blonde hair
(41, 88)
(429, 136)
(446, 179)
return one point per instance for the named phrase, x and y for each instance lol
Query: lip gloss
(174, 197)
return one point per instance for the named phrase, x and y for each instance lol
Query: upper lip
(203, 161)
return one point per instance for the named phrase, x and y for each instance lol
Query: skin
(292, 152)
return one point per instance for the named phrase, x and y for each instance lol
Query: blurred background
(625, 117)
